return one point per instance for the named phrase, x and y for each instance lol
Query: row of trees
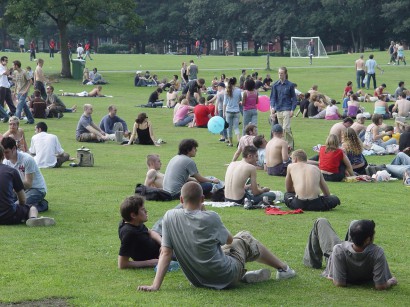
(354, 24)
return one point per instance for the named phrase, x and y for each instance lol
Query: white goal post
(299, 47)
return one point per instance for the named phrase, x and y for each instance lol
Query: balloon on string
(263, 103)
(216, 124)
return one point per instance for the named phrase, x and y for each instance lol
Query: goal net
(300, 47)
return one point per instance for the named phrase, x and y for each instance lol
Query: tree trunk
(354, 42)
(65, 59)
(255, 48)
(282, 48)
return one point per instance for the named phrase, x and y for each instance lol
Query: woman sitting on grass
(16, 133)
(332, 112)
(353, 148)
(333, 162)
(172, 97)
(182, 116)
(143, 131)
(373, 136)
(353, 106)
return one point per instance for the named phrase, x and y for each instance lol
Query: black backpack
(152, 193)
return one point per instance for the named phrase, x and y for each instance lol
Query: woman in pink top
(181, 117)
(249, 102)
(332, 112)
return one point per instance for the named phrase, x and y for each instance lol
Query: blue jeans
(256, 199)
(369, 76)
(233, 121)
(401, 159)
(223, 133)
(249, 117)
(359, 78)
(185, 121)
(3, 113)
(389, 142)
(397, 170)
(22, 105)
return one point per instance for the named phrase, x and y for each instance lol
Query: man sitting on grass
(154, 178)
(137, 241)
(356, 260)
(12, 212)
(303, 185)
(277, 153)
(87, 131)
(207, 253)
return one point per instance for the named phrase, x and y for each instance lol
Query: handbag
(85, 157)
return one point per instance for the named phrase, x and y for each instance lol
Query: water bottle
(173, 266)
(247, 204)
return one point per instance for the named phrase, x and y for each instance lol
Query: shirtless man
(360, 72)
(237, 175)
(277, 153)
(303, 185)
(40, 79)
(246, 140)
(402, 106)
(359, 127)
(338, 128)
(96, 92)
(154, 177)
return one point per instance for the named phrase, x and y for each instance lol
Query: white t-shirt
(45, 147)
(4, 82)
(331, 110)
(80, 51)
(25, 164)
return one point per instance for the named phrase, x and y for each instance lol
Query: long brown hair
(231, 84)
(141, 118)
(351, 142)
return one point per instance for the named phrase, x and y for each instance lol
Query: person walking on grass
(206, 251)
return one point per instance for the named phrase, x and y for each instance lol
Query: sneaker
(285, 274)
(40, 221)
(256, 276)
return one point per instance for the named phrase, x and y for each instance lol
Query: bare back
(403, 106)
(276, 152)
(305, 179)
(235, 179)
(154, 179)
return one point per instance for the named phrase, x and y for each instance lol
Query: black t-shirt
(153, 97)
(9, 180)
(312, 110)
(267, 81)
(404, 141)
(136, 242)
(192, 87)
(258, 84)
(304, 105)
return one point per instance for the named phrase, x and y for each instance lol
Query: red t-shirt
(201, 115)
(347, 90)
(52, 44)
(211, 108)
(378, 92)
(330, 161)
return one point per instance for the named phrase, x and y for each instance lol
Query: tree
(399, 20)
(23, 13)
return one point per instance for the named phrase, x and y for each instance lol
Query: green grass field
(77, 259)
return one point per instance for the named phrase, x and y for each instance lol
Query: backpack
(152, 193)
(85, 157)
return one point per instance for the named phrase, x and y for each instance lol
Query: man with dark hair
(260, 143)
(246, 140)
(402, 106)
(5, 92)
(34, 184)
(277, 153)
(12, 212)
(237, 175)
(399, 90)
(46, 148)
(370, 68)
(193, 91)
(137, 241)
(55, 105)
(182, 168)
(208, 254)
(340, 127)
(356, 260)
(192, 71)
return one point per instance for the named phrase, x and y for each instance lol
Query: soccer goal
(299, 47)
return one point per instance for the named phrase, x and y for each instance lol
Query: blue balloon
(216, 124)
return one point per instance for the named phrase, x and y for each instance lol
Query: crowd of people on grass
(212, 257)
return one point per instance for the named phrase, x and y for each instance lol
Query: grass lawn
(77, 259)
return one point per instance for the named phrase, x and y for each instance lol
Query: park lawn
(76, 259)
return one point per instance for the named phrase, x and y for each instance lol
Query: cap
(359, 116)
(277, 128)
(221, 84)
(139, 72)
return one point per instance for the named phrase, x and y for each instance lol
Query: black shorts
(19, 217)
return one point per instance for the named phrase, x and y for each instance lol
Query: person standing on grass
(5, 92)
(12, 212)
(360, 72)
(356, 260)
(370, 68)
(206, 251)
(138, 242)
(52, 46)
(22, 86)
(40, 79)
(283, 102)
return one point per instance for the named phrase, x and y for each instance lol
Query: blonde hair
(332, 143)
(184, 102)
(14, 119)
(351, 142)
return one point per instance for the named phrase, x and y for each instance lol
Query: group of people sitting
(92, 77)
